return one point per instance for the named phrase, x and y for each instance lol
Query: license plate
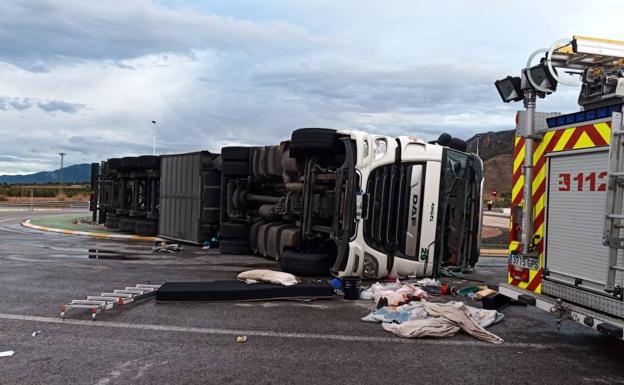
(522, 261)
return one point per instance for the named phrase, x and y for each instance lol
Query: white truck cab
(400, 228)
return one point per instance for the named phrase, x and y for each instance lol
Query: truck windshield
(458, 217)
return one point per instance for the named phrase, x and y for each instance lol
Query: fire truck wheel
(307, 141)
(235, 153)
(307, 264)
(235, 168)
(231, 230)
(229, 246)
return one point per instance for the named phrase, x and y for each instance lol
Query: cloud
(88, 77)
(40, 34)
(20, 104)
(59, 105)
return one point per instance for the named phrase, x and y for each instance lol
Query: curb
(141, 238)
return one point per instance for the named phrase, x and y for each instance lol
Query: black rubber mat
(240, 291)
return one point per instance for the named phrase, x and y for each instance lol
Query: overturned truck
(326, 201)
(353, 203)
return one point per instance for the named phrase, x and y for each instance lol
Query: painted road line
(93, 234)
(275, 334)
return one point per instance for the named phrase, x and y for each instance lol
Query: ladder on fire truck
(614, 219)
(601, 63)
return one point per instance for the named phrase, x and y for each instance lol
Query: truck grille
(388, 209)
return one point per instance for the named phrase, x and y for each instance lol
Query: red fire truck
(566, 242)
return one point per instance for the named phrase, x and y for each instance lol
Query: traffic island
(73, 224)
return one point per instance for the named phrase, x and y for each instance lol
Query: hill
(77, 173)
(496, 150)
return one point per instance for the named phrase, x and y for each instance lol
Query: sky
(88, 77)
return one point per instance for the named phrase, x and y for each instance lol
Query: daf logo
(414, 216)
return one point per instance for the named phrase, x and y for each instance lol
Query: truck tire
(128, 163)
(307, 141)
(112, 222)
(235, 153)
(127, 225)
(444, 139)
(231, 230)
(145, 227)
(230, 246)
(212, 197)
(211, 215)
(148, 162)
(458, 144)
(114, 163)
(307, 264)
(235, 168)
(212, 179)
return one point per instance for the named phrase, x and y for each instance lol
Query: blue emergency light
(583, 116)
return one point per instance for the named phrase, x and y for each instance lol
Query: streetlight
(62, 154)
(154, 137)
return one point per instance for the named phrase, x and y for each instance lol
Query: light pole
(154, 137)
(62, 154)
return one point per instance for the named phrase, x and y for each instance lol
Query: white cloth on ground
(270, 276)
(422, 319)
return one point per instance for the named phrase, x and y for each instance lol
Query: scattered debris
(426, 319)
(484, 293)
(106, 301)
(241, 339)
(36, 332)
(8, 353)
(351, 287)
(268, 276)
(164, 247)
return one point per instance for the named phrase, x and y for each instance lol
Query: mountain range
(77, 173)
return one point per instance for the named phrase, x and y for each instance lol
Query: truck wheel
(235, 153)
(127, 225)
(212, 197)
(231, 230)
(229, 246)
(306, 141)
(114, 163)
(112, 222)
(145, 227)
(211, 215)
(458, 144)
(307, 264)
(212, 179)
(444, 139)
(148, 162)
(235, 168)
(128, 163)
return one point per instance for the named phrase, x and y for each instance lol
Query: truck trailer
(565, 250)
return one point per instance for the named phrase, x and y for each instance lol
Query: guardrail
(46, 204)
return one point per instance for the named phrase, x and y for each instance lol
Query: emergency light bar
(583, 116)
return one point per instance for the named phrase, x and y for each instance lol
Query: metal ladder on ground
(614, 218)
(107, 301)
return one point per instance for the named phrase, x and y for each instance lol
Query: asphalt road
(319, 342)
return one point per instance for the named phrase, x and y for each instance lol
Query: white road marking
(274, 334)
